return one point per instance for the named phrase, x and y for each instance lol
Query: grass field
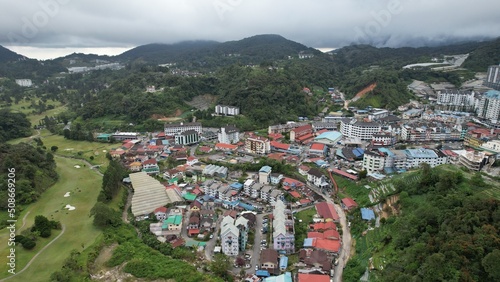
(84, 185)
(23, 107)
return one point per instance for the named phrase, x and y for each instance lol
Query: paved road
(209, 248)
(256, 244)
(346, 236)
(37, 254)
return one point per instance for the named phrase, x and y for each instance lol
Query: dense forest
(444, 231)
(13, 125)
(34, 171)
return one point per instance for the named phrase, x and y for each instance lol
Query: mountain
(485, 55)
(253, 49)
(7, 55)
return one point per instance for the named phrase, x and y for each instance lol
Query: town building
(229, 237)
(493, 77)
(228, 135)
(227, 110)
(283, 229)
(301, 133)
(187, 137)
(456, 100)
(363, 130)
(24, 82)
(489, 106)
(377, 114)
(316, 177)
(172, 129)
(473, 160)
(257, 145)
(415, 157)
(264, 174)
(122, 136)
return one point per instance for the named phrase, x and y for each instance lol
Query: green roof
(151, 169)
(173, 219)
(189, 196)
(104, 135)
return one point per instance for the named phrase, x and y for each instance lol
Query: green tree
(490, 264)
(221, 265)
(54, 148)
(105, 216)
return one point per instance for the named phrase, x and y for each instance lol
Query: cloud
(319, 23)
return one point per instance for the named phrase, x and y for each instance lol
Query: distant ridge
(7, 55)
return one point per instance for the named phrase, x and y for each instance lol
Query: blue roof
(246, 206)
(333, 136)
(421, 153)
(265, 168)
(358, 152)
(283, 262)
(492, 94)
(308, 242)
(321, 162)
(386, 151)
(263, 273)
(367, 214)
(286, 277)
(236, 186)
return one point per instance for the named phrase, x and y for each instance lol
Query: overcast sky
(38, 26)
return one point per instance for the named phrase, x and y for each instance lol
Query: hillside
(484, 56)
(7, 55)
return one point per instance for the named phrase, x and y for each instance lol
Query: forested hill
(7, 55)
(255, 50)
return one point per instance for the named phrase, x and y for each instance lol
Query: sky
(45, 29)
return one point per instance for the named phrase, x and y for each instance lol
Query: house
(316, 259)
(191, 160)
(317, 149)
(367, 214)
(150, 167)
(269, 260)
(173, 223)
(303, 169)
(329, 246)
(195, 206)
(264, 174)
(327, 211)
(135, 166)
(226, 147)
(173, 173)
(207, 224)
(275, 178)
(205, 149)
(308, 277)
(316, 177)
(348, 204)
(194, 221)
(161, 213)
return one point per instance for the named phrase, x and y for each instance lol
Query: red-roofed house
(295, 194)
(276, 156)
(161, 213)
(300, 131)
(317, 149)
(303, 169)
(191, 160)
(280, 147)
(348, 204)
(306, 277)
(275, 136)
(304, 139)
(304, 201)
(327, 211)
(205, 149)
(225, 147)
(322, 226)
(331, 246)
(150, 166)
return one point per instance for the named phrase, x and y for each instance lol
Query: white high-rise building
(228, 135)
(227, 110)
(456, 100)
(489, 106)
(493, 77)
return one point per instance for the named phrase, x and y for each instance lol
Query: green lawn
(349, 188)
(84, 186)
(23, 107)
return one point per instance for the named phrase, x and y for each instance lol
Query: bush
(45, 233)
(29, 244)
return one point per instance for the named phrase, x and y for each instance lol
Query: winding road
(35, 256)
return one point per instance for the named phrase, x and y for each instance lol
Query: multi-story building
(383, 159)
(24, 82)
(473, 160)
(492, 146)
(172, 129)
(377, 114)
(228, 135)
(275, 178)
(247, 187)
(489, 106)
(283, 233)
(456, 100)
(229, 237)
(316, 177)
(257, 145)
(227, 110)
(265, 192)
(493, 77)
(187, 137)
(364, 130)
(383, 139)
(476, 137)
(242, 224)
(424, 131)
(301, 132)
(255, 192)
(414, 157)
(264, 174)
(373, 161)
(275, 195)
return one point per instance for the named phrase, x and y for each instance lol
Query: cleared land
(84, 186)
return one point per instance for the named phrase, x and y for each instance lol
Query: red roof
(324, 225)
(303, 129)
(349, 203)
(177, 243)
(322, 131)
(150, 162)
(304, 137)
(226, 146)
(275, 136)
(318, 147)
(306, 277)
(128, 145)
(331, 234)
(314, 234)
(326, 245)
(327, 211)
(304, 168)
(161, 209)
(205, 149)
(276, 156)
(193, 232)
(287, 181)
(343, 173)
(295, 194)
(304, 201)
(191, 158)
(279, 145)
(161, 134)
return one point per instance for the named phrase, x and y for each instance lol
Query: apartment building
(257, 145)
(415, 157)
(364, 130)
(228, 135)
(456, 100)
(489, 106)
(172, 129)
(493, 77)
(473, 160)
(227, 110)
(283, 229)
